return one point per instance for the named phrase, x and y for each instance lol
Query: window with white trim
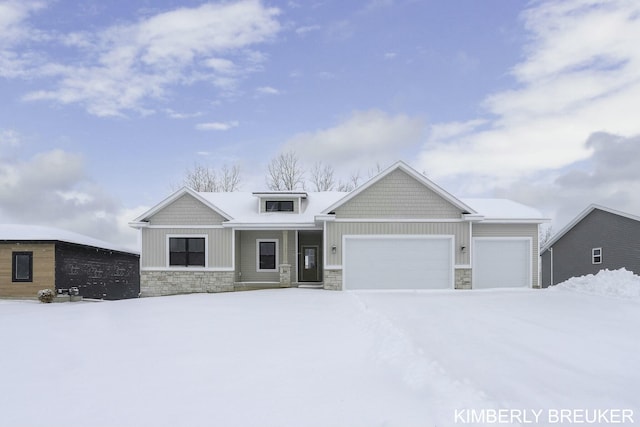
(596, 256)
(187, 251)
(279, 206)
(267, 255)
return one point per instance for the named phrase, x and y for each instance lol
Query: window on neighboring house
(596, 256)
(22, 270)
(187, 251)
(267, 255)
(279, 206)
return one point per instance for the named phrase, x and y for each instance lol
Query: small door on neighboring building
(309, 264)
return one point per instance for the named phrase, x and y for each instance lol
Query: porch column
(285, 267)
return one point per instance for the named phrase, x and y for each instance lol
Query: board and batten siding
(514, 230)
(186, 210)
(246, 248)
(398, 195)
(336, 230)
(44, 259)
(219, 241)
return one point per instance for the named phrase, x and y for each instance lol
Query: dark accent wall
(618, 236)
(97, 273)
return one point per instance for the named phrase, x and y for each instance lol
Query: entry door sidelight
(309, 263)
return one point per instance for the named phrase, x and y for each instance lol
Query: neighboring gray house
(598, 238)
(397, 231)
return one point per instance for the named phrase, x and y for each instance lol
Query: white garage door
(398, 262)
(501, 263)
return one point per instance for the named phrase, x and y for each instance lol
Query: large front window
(267, 255)
(187, 251)
(22, 267)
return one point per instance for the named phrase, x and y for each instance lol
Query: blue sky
(106, 104)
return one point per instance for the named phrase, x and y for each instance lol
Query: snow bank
(609, 283)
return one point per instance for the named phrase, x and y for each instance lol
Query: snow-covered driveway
(313, 358)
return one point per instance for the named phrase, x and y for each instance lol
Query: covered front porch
(267, 258)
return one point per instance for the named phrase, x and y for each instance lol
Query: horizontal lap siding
(186, 210)
(154, 245)
(335, 231)
(513, 230)
(43, 269)
(398, 195)
(618, 236)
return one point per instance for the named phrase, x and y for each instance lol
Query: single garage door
(398, 262)
(501, 263)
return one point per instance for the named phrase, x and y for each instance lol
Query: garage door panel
(501, 263)
(398, 263)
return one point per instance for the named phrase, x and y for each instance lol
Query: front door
(309, 264)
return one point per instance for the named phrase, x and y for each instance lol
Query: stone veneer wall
(463, 278)
(158, 283)
(333, 280)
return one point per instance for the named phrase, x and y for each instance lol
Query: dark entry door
(309, 264)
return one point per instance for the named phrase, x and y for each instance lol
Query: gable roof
(400, 165)
(36, 233)
(582, 215)
(172, 198)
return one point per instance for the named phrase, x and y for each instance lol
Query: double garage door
(427, 262)
(398, 262)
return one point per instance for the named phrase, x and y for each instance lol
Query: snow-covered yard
(296, 357)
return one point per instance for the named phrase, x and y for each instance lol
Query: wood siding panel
(618, 236)
(335, 231)
(186, 210)
(43, 269)
(247, 259)
(398, 195)
(514, 230)
(154, 246)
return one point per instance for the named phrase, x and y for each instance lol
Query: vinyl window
(596, 256)
(267, 255)
(279, 206)
(22, 267)
(187, 251)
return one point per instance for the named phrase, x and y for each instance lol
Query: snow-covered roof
(503, 209)
(37, 233)
(244, 209)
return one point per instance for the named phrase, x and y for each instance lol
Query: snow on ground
(609, 283)
(295, 357)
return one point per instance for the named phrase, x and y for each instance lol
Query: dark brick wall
(97, 273)
(618, 236)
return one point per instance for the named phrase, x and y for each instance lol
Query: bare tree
(322, 177)
(351, 184)
(229, 179)
(205, 179)
(544, 234)
(284, 173)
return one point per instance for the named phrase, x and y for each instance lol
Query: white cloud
(390, 55)
(267, 90)
(364, 138)
(579, 75)
(217, 125)
(119, 68)
(52, 188)
(9, 138)
(307, 29)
